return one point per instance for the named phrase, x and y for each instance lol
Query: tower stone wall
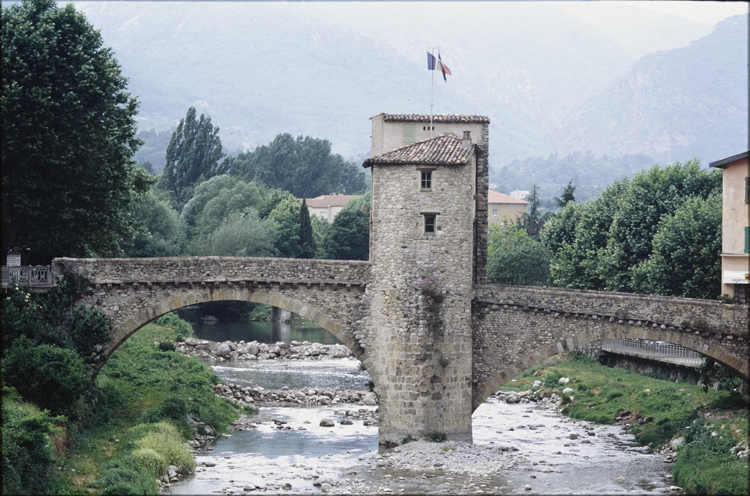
(421, 286)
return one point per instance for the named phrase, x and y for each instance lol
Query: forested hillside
(673, 105)
(261, 69)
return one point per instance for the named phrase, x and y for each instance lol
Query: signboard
(14, 257)
(736, 277)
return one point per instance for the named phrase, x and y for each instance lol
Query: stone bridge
(435, 339)
(513, 327)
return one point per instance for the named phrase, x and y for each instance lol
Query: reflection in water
(263, 332)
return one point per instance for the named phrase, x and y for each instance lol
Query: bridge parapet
(102, 271)
(686, 313)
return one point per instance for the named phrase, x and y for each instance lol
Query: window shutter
(747, 239)
(410, 133)
(747, 190)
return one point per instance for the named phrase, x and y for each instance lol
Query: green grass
(704, 465)
(138, 423)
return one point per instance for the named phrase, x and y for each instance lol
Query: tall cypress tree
(306, 232)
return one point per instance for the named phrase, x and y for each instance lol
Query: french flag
(433, 63)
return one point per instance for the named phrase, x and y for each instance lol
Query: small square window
(426, 181)
(429, 223)
(494, 212)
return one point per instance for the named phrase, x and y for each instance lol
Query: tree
(193, 156)
(160, 231)
(68, 136)
(304, 166)
(514, 258)
(286, 214)
(533, 221)
(653, 193)
(686, 256)
(349, 236)
(236, 199)
(307, 242)
(567, 195)
(640, 235)
(241, 234)
(203, 193)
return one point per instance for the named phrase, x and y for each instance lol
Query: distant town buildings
(326, 207)
(521, 195)
(735, 243)
(504, 209)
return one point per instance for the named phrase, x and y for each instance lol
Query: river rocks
(259, 396)
(563, 380)
(228, 350)
(568, 390)
(326, 422)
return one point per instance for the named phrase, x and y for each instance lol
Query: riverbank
(151, 409)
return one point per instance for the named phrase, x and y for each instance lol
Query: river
(287, 446)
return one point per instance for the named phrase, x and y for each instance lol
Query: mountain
(672, 105)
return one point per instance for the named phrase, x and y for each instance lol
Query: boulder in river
(223, 349)
(326, 422)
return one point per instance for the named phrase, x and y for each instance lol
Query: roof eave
(726, 161)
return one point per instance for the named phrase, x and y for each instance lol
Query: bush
(53, 378)
(173, 410)
(164, 439)
(184, 329)
(121, 489)
(28, 458)
(552, 379)
(438, 437)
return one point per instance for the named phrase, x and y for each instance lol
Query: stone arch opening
(506, 372)
(283, 299)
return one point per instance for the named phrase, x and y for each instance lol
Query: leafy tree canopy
(160, 230)
(349, 236)
(640, 235)
(514, 258)
(68, 135)
(193, 156)
(303, 166)
(533, 221)
(236, 199)
(241, 235)
(203, 193)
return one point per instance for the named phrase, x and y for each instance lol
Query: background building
(502, 208)
(326, 207)
(735, 245)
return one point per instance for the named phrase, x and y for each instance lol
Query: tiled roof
(435, 118)
(496, 197)
(442, 150)
(325, 201)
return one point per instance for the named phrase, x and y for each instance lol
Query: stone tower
(427, 248)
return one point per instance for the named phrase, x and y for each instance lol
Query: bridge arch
(335, 310)
(528, 338)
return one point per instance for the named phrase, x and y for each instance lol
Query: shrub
(438, 437)
(121, 488)
(165, 440)
(167, 346)
(151, 460)
(184, 329)
(552, 379)
(51, 377)
(173, 410)
(28, 458)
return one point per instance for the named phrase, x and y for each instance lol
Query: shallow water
(609, 462)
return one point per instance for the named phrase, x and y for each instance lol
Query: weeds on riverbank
(138, 425)
(658, 411)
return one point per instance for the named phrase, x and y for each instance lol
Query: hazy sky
(711, 12)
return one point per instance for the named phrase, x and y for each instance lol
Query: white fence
(26, 275)
(654, 350)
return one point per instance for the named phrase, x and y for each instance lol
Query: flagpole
(432, 92)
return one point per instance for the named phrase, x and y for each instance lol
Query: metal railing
(654, 350)
(27, 275)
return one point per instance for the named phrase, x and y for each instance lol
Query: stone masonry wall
(135, 291)
(428, 368)
(518, 327)
(481, 219)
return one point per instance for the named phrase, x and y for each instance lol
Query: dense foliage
(349, 236)
(28, 455)
(303, 166)
(193, 156)
(640, 235)
(68, 135)
(513, 257)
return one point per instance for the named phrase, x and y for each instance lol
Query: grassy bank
(138, 424)
(711, 423)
